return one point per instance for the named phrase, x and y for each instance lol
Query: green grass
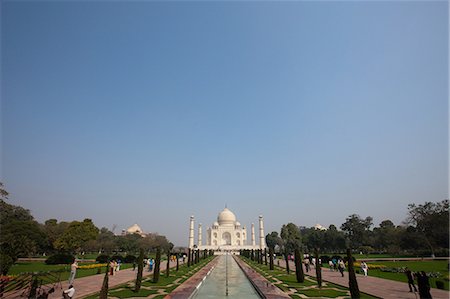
(308, 288)
(427, 266)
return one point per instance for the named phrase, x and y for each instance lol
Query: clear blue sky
(150, 112)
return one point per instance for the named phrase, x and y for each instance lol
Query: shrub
(324, 259)
(103, 258)
(129, 259)
(60, 258)
(5, 263)
(117, 257)
(440, 284)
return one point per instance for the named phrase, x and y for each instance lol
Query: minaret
(191, 233)
(199, 235)
(253, 234)
(262, 243)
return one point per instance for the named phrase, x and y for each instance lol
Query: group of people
(337, 265)
(114, 266)
(423, 283)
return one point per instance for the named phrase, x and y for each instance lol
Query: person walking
(68, 294)
(73, 271)
(364, 267)
(410, 277)
(341, 267)
(424, 285)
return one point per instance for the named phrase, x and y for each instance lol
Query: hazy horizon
(150, 112)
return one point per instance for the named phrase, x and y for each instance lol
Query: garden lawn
(414, 266)
(164, 286)
(288, 283)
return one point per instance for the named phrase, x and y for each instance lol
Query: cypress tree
(178, 261)
(352, 282)
(286, 258)
(265, 256)
(189, 257)
(104, 289)
(157, 265)
(270, 258)
(318, 269)
(168, 263)
(140, 262)
(298, 255)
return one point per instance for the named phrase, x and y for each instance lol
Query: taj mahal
(227, 234)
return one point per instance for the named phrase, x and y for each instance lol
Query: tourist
(410, 277)
(341, 267)
(331, 265)
(364, 267)
(119, 262)
(134, 265)
(424, 285)
(111, 267)
(150, 265)
(68, 294)
(306, 262)
(73, 271)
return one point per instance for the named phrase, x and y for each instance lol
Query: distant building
(320, 227)
(134, 229)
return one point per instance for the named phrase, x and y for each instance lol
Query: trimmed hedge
(60, 258)
(103, 258)
(129, 259)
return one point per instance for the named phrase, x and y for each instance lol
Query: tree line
(424, 232)
(22, 236)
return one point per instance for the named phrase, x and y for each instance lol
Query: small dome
(226, 217)
(237, 223)
(216, 223)
(134, 229)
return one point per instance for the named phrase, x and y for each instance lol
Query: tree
(357, 229)
(352, 282)
(432, 221)
(334, 240)
(104, 289)
(157, 265)
(3, 193)
(169, 249)
(292, 242)
(140, 263)
(272, 240)
(76, 235)
(386, 237)
(318, 268)
(20, 234)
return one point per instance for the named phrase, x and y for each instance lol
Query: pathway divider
(375, 286)
(264, 287)
(193, 283)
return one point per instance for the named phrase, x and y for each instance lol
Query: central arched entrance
(226, 238)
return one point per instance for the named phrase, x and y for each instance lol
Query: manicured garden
(436, 270)
(309, 288)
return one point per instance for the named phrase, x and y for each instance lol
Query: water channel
(226, 277)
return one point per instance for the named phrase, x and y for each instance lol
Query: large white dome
(226, 217)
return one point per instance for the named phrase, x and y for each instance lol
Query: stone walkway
(379, 287)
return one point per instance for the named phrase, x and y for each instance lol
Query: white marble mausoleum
(227, 234)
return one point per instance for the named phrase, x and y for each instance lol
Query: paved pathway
(379, 287)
